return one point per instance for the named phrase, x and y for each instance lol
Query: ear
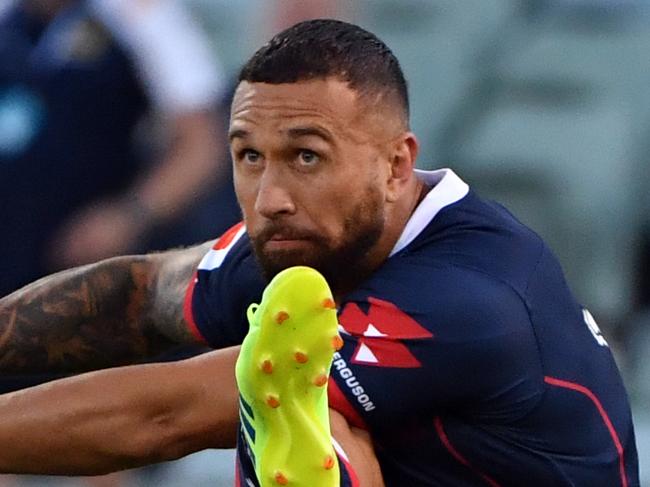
(402, 162)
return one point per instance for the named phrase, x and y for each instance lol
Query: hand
(101, 230)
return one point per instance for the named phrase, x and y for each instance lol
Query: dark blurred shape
(76, 80)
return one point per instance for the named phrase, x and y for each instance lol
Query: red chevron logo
(380, 331)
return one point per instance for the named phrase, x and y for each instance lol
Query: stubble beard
(344, 264)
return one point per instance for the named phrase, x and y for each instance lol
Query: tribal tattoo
(116, 312)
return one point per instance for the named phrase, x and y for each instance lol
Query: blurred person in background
(82, 82)
(76, 80)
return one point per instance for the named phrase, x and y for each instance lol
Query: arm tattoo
(166, 311)
(86, 318)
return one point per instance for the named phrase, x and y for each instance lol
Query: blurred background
(112, 115)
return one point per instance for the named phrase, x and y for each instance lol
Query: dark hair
(325, 48)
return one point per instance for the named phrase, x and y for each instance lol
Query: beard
(344, 264)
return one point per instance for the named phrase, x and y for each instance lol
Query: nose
(273, 195)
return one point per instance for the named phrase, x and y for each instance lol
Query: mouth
(286, 242)
(280, 238)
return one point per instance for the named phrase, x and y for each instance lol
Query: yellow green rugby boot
(282, 374)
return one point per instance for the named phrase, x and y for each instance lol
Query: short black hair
(324, 48)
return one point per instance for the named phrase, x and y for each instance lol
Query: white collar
(447, 188)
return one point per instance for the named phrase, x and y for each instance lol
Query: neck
(401, 213)
(396, 218)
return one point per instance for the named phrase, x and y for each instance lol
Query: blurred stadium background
(543, 105)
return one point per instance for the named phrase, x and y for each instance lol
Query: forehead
(328, 103)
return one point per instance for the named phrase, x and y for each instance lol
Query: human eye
(249, 156)
(308, 157)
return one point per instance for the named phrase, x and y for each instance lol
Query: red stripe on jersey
(460, 458)
(340, 403)
(390, 321)
(221, 243)
(603, 414)
(237, 475)
(187, 310)
(344, 464)
(227, 237)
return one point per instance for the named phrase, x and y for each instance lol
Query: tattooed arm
(115, 312)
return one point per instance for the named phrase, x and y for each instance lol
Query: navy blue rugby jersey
(466, 355)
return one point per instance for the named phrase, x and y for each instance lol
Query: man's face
(310, 176)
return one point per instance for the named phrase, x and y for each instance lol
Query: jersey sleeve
(486, 350)
(464, 334)
(225, 283)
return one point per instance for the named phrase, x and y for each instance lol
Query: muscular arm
(120, 418)
(132, 416)
(115, 312)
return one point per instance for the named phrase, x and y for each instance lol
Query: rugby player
(463, 358)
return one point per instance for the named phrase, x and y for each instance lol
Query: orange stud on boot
(329, 462)
(301, 357)
(272, 401)
(281, 479)
(267, 367)
(281, 317)
(320, 380)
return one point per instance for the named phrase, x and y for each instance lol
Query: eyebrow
(238, 134)
(310, 131)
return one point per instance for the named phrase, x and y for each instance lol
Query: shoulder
(435, 291)
(227, 281)
(470, 333)
(474, 238)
